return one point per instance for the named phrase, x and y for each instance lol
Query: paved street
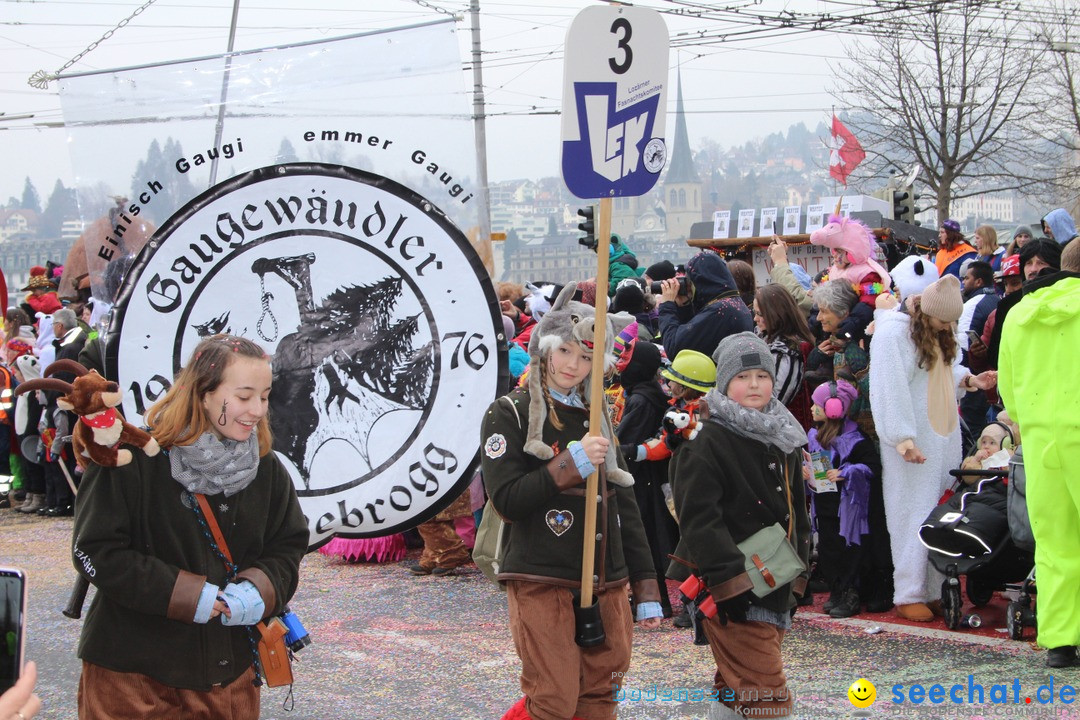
(388, 645)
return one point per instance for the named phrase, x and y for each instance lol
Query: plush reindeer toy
(101, 429)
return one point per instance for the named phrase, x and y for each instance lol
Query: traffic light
(587, 226)
(886, 194)
(903, 201)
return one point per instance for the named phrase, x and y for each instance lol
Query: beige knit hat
(942, 299)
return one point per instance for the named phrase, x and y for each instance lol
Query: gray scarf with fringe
(213, 465)
(773, 425)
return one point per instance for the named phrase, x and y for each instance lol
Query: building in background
(682, 187)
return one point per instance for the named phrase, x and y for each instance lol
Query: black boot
(877, 592)
(1061, 657)
(847, 605)
(834, 598)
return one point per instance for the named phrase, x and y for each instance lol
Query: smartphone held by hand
(12, 625)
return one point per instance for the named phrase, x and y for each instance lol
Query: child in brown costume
(536, 455)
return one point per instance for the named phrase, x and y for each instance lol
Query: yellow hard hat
(693, 369)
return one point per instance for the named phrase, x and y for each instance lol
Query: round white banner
(380, 317)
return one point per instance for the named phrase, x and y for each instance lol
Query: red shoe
(517, 712)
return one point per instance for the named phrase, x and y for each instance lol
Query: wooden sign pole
(596, 398)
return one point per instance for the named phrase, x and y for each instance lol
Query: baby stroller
(971, 534)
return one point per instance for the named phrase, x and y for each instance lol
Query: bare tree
(946, 92)
(1058, 119)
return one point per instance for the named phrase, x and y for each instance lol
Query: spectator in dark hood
(641, 421)
(1038, 258)
(1059, 225)
(630, 298)
(709, 310)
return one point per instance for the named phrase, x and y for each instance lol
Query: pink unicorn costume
(855, 238)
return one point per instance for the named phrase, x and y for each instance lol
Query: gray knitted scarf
(212, 465)
(773, 425)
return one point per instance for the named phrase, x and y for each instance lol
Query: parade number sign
(614, 101)
(377, 314)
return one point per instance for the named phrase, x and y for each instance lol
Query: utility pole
(479, 128)
(219, 127)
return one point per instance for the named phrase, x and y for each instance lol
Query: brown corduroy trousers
(109, 695)
(561, 680)
(749, 669)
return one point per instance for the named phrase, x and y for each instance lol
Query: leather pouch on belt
(273, 655)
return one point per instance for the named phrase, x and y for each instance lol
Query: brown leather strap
(211, 521)
(790, 508)
(765, 574)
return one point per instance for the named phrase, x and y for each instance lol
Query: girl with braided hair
(537, 453)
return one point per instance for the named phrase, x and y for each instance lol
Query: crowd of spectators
(35, 447)
(905, 360)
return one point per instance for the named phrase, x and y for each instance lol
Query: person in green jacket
(622, 264)
(170, 631)
(1039, 381)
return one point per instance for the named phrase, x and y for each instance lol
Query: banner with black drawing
(315, 198)
(377, 313)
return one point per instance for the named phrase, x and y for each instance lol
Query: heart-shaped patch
(559, 521)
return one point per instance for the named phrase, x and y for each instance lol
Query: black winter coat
(727, 487)
(716, 312)
(145, 551)
(546, 525)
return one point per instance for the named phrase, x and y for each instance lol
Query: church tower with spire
(682, 188)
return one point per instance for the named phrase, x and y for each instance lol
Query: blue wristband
(205, 605)
(577, 452)
(246, 605)
(648, 610)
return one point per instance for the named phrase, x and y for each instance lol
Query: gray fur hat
(570, 321)
(738, 353)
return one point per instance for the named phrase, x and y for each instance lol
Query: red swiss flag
(845, 152)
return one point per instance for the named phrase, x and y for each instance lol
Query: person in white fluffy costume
(913, 274)
(915, 379)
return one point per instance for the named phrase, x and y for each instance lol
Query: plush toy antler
(101, 429)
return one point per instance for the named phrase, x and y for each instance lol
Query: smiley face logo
(862, 693)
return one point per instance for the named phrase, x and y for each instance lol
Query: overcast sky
(734, 91)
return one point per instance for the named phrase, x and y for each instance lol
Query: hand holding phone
(20, 701)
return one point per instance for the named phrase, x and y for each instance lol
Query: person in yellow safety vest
(1042, 331)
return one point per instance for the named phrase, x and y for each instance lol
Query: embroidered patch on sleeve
(495, 446)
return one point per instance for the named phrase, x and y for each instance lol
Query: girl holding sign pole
(537, 453)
